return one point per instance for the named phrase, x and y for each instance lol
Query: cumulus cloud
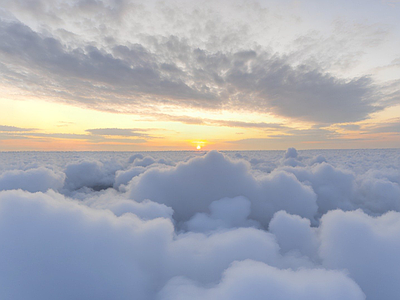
(144, 162)
(89, 253)
(191, 187)
(122, 177)
(255, 280)
(335, 188)
(224, 213)
(206, 227)
(92, 174)
(112, 200)
(381, 185)
(69, 251)
(133, 157)
(366, 247)
(291, 153)
(294, 233)
(340, 188)
(32, 180)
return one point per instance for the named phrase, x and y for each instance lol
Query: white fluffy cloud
(205, 227)
(224, 213)
(91, 174)
(68, 250)
(294, 233)
(122, 177)
(367, 247)
(191, 187)
(335, 188)
(255, 280)
(32, 180)
(52, 248)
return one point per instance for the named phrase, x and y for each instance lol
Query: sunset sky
(126, 75)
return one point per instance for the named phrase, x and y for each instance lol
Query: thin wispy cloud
(5, 128)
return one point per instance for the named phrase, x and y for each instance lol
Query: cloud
(122, 177)
(5, 128)
(117, 132)
(89, 253)
(392, 126)
(205, 227)
(351, 127)
(301, 92)
(67, 250)
(133, 77)
(215, 122)
(366, 247)
(224, 213)
(335, 188)
(143, 162)
(254, 280)
(289, 136)
(92, 174)
(340, 188)
(96, 136)
(33, 180)
(294, 234)
(191, 187)
(112, 200)
(84, 67)
(383, 185)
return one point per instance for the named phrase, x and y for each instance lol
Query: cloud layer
(132, 73)
(207, 226)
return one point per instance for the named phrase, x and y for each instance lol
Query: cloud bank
(205, 226)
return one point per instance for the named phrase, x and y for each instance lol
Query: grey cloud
(117, 132)
(240, 124)
(127, 141)
(138, 72)
(388, 127)
(5, 128)
(350, 126)
(301, 92)
(293, 135)
(73, 136)
(216, 122)
(172, 71)
(10, 136)
(130, 137)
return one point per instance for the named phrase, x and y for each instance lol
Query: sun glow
(199, 144)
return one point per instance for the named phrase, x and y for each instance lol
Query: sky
(122, 75)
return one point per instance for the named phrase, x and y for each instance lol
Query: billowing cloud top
(208, 226)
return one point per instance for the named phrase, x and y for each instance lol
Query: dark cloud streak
(5, 128)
